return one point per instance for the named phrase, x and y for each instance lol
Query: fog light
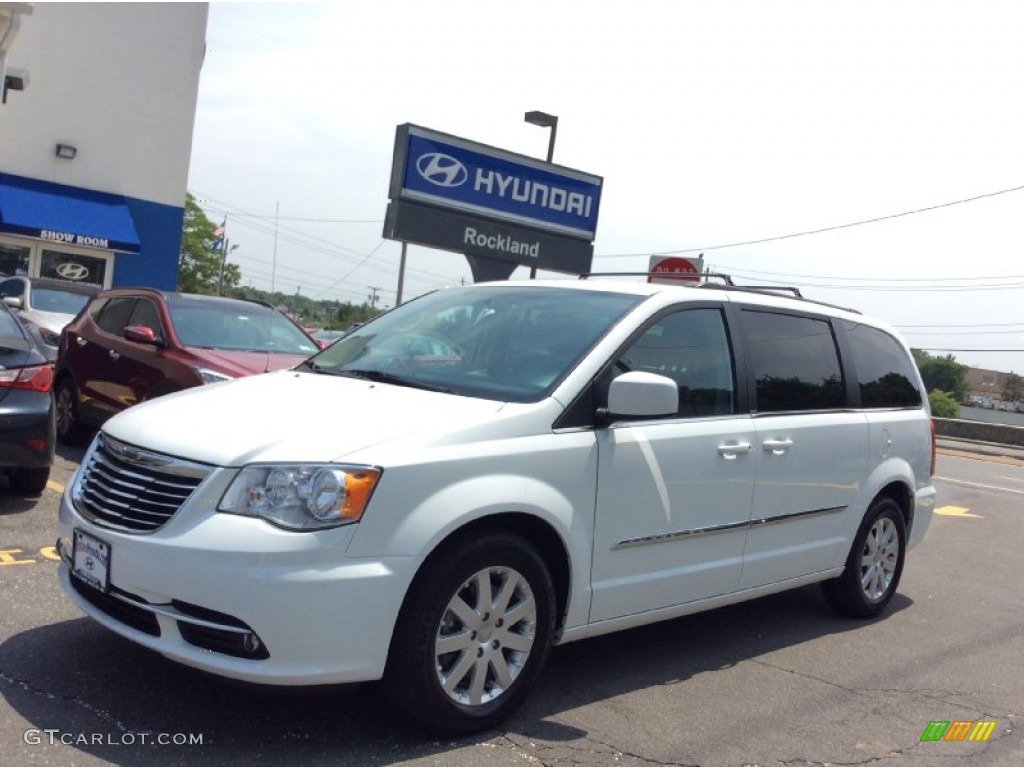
(250, 642)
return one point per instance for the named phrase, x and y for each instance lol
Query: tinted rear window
(884, 372)
(795, 361)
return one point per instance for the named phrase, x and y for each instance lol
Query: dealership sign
(490, 202)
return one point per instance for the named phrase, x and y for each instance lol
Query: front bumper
(924, 506)
(240, 598)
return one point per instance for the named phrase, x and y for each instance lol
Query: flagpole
(273, 267)
(223, 253)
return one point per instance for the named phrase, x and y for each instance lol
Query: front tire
(32, 481)
(473, 634)
(874, 565)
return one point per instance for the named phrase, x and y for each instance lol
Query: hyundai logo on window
(71, 270)
(440, 170)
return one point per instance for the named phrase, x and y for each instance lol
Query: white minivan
(484, 472)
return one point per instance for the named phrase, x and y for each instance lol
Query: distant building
(986, 387)
(95, 146)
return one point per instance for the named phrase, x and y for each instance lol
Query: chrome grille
(132, 489)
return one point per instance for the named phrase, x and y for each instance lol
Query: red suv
(133, 344)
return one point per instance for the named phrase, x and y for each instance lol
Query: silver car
(45, 306)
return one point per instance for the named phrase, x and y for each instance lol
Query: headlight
(302, 496)
(209, 376)
(49, 338)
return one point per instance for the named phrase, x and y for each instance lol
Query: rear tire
(70, 430)
(874, 565)
(31, 482)
(472, 635)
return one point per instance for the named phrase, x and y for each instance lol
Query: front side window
(147, 315)
(691, 348)
(501, 343)
(795, 362)
(113, 317)
(884, 371)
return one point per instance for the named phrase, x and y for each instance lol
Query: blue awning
(64, 214)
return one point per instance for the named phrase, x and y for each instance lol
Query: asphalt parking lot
(776, 681)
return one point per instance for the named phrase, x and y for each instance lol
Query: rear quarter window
(885, 374)
(795, 362)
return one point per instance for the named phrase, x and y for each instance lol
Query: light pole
(544, 120)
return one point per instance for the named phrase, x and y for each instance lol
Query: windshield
(500, 343)
(56, 300)
(237, 326)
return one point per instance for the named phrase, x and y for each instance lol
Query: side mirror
(638, 394)
(14, 302)
(140, 333)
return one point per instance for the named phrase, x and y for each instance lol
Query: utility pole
(273, 265)
(373, 298)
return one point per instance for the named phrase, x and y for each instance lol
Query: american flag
(218, 233)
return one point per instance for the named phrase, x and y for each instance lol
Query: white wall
(118, 81)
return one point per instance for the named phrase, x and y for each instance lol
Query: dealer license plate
(91, 560)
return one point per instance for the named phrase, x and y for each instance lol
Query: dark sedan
(26, 408)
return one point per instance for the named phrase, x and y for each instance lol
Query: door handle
(777, 446)
(731, 451)
(113, 355)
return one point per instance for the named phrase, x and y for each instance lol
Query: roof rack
(727, 285)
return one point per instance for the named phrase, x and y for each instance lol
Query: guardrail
(1004, 434)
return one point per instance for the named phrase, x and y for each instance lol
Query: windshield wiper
(390, 378)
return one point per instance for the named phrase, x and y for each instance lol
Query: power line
(819, 230)
(958, 279)
(936, 349)
(977, 325)
(961, 333)
(312, 243)
(309, 219)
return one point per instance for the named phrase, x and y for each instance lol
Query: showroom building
(95, 138)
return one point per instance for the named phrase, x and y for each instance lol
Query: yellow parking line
(53, 485)
(955, 512)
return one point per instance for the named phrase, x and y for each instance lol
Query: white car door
(811, 451)
(674, 494)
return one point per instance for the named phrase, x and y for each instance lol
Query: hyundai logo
(71, 270)
(442, 170)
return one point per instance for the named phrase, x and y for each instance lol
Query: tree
(199, 264)
(944, 405)
(1013, 389)
(942, 373)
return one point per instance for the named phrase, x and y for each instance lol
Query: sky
(892, 133)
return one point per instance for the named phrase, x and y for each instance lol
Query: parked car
(26, 408)
(327, 337)
(46, 306)
(135, 344)
(486, 471)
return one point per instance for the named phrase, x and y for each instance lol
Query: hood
(51, 321)
(241, 363)
(291, 416)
